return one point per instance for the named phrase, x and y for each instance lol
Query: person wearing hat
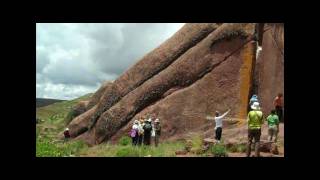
(157, 129)
(255, 121)
(253, 99)
(134, 132)
(147, 132)
(66, 134)
(140, 131)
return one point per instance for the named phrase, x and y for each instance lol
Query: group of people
(255, 121)
(144, 129)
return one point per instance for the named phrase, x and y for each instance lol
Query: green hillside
(56, 112)
(40, 102)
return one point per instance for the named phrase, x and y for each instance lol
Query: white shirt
(218, 119)
(135, 127)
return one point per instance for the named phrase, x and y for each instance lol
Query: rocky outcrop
(270, 66)
(151, 64)
(97, 95)
(201, 69)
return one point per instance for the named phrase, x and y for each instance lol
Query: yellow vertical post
(246, 78)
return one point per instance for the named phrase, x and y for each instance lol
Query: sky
(73, 59)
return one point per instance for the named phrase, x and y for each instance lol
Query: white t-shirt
(135, 127)
(218, 119)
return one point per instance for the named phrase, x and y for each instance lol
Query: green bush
(124, 140)
(218, 150)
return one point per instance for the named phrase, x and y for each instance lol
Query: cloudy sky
(74, 59)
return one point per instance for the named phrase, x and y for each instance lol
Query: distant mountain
(40, 102)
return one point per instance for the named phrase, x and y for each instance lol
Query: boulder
(268, 146)
(200, 69)
(220, 60)
(149, 66)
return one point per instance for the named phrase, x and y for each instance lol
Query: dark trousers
(218, 133)
(279, 112)
(156, 139)
(140, 138)
(254, 134)
(147, 138)
(135, 140)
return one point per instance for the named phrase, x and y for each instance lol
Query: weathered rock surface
(150, 65)
(270, 66)
(201, 69)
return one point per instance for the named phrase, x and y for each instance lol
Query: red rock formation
(270, 66)
(185, 110)
(201, 69)
(98, 94)
(151, 64)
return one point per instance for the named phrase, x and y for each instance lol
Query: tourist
(66, 134)
(273, 125)
(278, 104)
(140, 131)
(255, 121)
(218, 128)
(157, 129)
(134, 132)
(147, 132)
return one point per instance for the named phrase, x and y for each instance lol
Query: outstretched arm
(223, 115)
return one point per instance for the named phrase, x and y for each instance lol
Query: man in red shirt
(66, 134)
(278, 104)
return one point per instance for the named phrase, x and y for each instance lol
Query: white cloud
(61, 91)
(73, 59)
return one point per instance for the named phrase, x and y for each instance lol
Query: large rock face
(270, 66)
(201, 69)
(151, 64)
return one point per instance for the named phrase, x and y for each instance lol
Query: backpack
(147, 127)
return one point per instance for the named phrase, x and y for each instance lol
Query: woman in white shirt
(218, 128)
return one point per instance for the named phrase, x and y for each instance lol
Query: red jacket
(66, 134)
(278, 101)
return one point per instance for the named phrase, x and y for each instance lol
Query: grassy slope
(47, 144)
(54, 114)
(52, 122)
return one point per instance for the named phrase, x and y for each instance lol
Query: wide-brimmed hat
(149, 120)
(157, 120)
(67, 129)
(255, 106)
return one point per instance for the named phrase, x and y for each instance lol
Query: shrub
(125, 140)
(218, 150)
